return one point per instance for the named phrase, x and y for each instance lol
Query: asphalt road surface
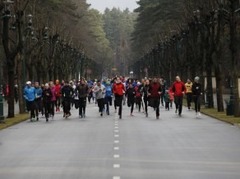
(131, 148)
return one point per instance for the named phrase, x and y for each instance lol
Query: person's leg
(180, 101)
(56, 104)
(176, 103)
(132, 106)
(28, 105)
(157, 103)
(37, 108)
(107, 106)
(198, 103)
(69, 107)
(120, 98)
(84, 106)
(47, 110)
(162, 99)
(190, 99)
(64, 107)
(80, 105)
(53, 108)
(146, 106)
(195, 99)
(167, 105)
(139, 104)
(32, 104)
(101, 106)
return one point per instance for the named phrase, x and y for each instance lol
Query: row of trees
(119, 26)
(201, 40)
(50, 39)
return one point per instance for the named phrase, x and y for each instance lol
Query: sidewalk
(12, 121)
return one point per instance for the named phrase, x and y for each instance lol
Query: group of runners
(48, 98)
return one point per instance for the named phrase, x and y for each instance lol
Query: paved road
(131, 148)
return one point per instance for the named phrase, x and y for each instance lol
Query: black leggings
(178, 102)
(100, 104)
(197, 102)
(118, 100)
(82, 106)
(146, 105)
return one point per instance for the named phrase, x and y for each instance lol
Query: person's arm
(173, 88)
(123, 88)
(25, 94)
(184, 88)
(160, 89)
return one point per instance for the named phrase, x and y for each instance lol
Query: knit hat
(196, 78)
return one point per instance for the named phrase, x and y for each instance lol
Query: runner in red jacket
(119, 91)
(154, 93)
(58, 95)
(178, 89)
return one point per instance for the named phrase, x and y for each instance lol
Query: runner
(108, 96)
(138, 96)
(53, 99)
(188, 87)
(178, 88)
(155, 92)
(145, 92)
(47, 99)
(38, 99)
(131, 94)
(197, 92)
(99, 91)
(119, 91)
(58, 95)
(82, 91)
(30, 95)
(67, 93)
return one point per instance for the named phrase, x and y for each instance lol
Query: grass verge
(221, 116)
(8, 122)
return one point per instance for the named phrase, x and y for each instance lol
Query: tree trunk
(20, 85)
(236, 96)
(11, 89)
(209, 91)
(219, 89)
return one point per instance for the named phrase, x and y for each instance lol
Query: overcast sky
(122, 4)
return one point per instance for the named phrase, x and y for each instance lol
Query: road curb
(8, 122)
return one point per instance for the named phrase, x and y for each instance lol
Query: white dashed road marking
(116, 177)
(116, 166)
(116, 148)
(116, 156)
(116, 141)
